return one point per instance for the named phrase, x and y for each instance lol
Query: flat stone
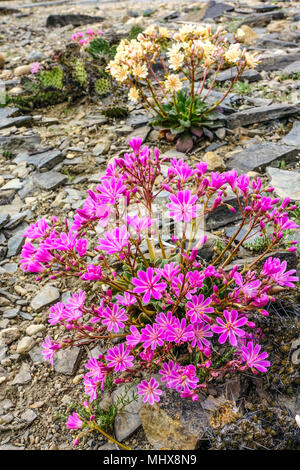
(29, 416)
(54, 21)
(23, 376)
(13, 184)
(211, 9)
(15, 121)
(24, 345)
(34, 329)
(137, 120)
(7, 196)
(261, 114)
(19, 143)
(261, 19)
(36, 355)
(65, 360)
(8, 112)
(270, 62)
(258, 156)
(141, 132)
(230, 74)
(174, 423)
(268, 43)
(292, 68)
(128, 420)
(293, 137)
(8, 335)
(46, 160)
(10, 447)
(49, 180)
(15, 244)
(45, 297)
(4, 218)
(11, 313)
(286, 183)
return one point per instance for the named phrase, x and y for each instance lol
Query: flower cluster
(84, 39)
(166, 317)
(191, 57)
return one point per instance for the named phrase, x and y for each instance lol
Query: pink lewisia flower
(169, 271)
(90, 387)
(135, 144)
(111, 190)
(249, 288)
(76, 301)
(179, 332)
(147, 283)
(126, 299)
(230, 328)
(35, 67)
(114, 318)
(74, 422)
(184, 379)
(201, 331)
(49, 350)
(133, 339)
(150, 391)
(182, 206)
(198, 307)
(165, 321)
(56, 313)
(37, 230)
(114, 241)
(138, 223)
(167, 371)
(28, 259)
(152, 336)
(97, 371)
(119, 358)
(283, 277)
(250, 354)
(94, 273)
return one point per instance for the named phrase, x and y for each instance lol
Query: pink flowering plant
(165, 317)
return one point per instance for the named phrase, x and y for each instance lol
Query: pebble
(24, 345)
(45, 297)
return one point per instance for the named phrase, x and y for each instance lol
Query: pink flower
(165, 321)
(76, 301)
(198, 307)
(182, 206)
(201, 331)
(135, 144)
(169, 271)
(167, 371)
(49, 350)
(90, 387)
(133, 339)
(114, 241)
(230, 328)
(150, 391)
(147, 283)
(184, 379)
(97, 371)
(111, 190)
(35, 67)
(138, 223)
(119, 358)
(114, 318)
(37, 230)
(283, 277)
(126, 299)
(152, 336)
(250, 354)
(28, 259)
(74, 422)
(94, 273)
(249, 288)
(179, 332)
(56, 313)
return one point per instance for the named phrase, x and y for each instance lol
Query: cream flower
(120, 73)
(140, 70)
(232, 55)
(240, 35)
(133, 94)
(173, 83)
(176, 61)
(251, 60)
(174, 49)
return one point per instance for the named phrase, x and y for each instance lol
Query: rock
(230, 74)
(13, 184)
(23, 376)
(286, 183)
(49, 180)
(45, 297)
(258, 156)
(5, 405)
(36, 355)
(128, 420)
(6, 197)
(46, 160)
(8, 335)
(141, 132)
(54, 21)
(277, 26)
(4, 218)
(24, 345)
(207, 251)
(292, 68)
(19, 143)
(11, 313)
(65, 360)
(293, 137)
(32, 330)
(2, 61)
(214, 162)
(15, 244)
(137, 120)
(261, 114)
(15, 121)
(269, 62)
(249, 35)
(7, 418)
(174, 423)
(267, 43)
(29, 416)
(261, 19)
(212, 9)
(22, 70)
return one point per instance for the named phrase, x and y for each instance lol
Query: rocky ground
(50, 158)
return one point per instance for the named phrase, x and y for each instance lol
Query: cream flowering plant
(179, 70)
(164, 317)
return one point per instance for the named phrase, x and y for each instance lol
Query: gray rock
(293, 137)
(268, 43)
(261, 114)
(45, 297)
(29, 416)
(230, 74)
(54, 21)
(15, 220)
(46, 160)
(19, 143)
(7, 418)
(292, 68)
(5, 405)
(15, 183)
(141, 132)
(15, 121)
(23, 376)
(49, 180)
(6, 197)
(8, 112)
(65, 360)
(36, 355)
(258, 156)
(11, 313)
(269, 62)
(8, 335)
(128, 420)
(286, 183)
(137, 120)
(261, 19)
(4, 218)
(15, 244)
